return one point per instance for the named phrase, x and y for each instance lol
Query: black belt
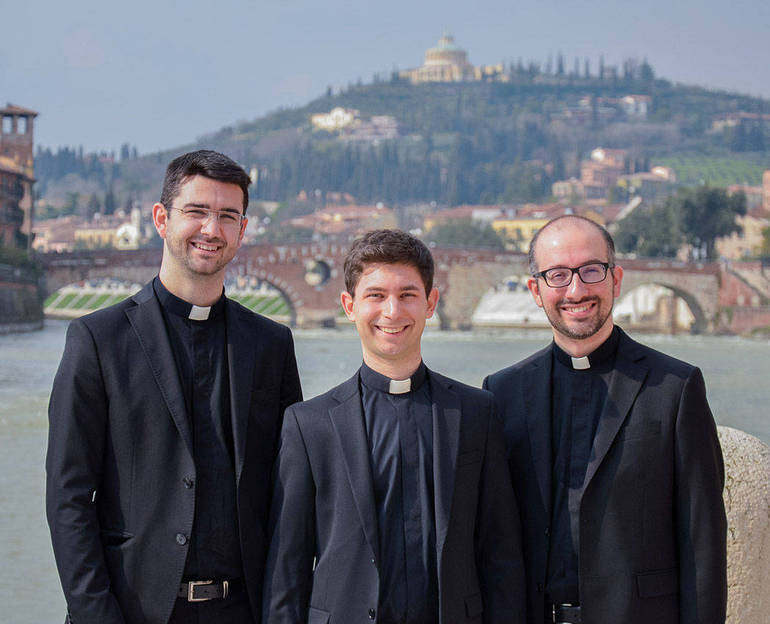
(565, 614)
(200, 591)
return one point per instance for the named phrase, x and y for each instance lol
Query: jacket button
(547, 531)
(540, 587)
(188, 482)
(181, 539)
(372, 613)
(373, 561)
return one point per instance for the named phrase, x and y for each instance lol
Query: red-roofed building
(350, 219)
(481, 213)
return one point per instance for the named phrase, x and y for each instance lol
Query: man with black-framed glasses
(613, 455)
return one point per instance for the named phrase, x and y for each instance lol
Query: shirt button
(372, 613)
(181, 539)
(188, 482)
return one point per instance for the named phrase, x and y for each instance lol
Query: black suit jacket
(652, 528)
(322, 566)
(120, 473)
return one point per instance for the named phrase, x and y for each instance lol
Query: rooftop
(12, 109)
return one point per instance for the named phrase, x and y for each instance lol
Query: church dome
(446, 53)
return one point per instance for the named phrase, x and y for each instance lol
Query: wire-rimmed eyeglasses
(226, 218)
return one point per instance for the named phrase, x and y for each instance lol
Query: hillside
(453, 143)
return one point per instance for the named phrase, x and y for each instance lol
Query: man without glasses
(392, 501)
(613, 454)
(164, 420)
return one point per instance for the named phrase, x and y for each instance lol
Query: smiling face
(389, 308)
(195, 251)
(580, 314)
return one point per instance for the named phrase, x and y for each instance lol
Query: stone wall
(747, 503)
(745, 320)
(21, 305)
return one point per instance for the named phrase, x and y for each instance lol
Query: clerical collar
(173, 304)
(376, 381)
(601, 354)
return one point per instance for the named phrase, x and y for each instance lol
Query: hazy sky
(159, 73)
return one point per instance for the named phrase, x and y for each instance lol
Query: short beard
(578, 334)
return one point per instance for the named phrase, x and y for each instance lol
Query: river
(736, 372)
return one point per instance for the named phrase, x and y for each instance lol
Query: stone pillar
(747, 503)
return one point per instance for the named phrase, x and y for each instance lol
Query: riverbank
(21, 327)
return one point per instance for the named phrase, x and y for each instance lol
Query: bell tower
(17, 176)
(16, 135)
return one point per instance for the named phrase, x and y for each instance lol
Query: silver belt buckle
(191, 585)
(553, 611)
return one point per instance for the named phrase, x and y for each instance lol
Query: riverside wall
(21, 302)
(747, 504)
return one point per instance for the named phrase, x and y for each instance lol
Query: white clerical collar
(199, 313)
(580, 363)
(400, 386)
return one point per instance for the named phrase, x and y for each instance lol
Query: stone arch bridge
(310, 277)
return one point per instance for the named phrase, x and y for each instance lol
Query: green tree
(109, 201)
(764, 248)
(524, 182)
(93, 206)
(706, 214)
(72, 205)
(464, 233)
(650, 232)
(646, 73)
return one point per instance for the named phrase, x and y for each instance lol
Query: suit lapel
(626, 381)
(348, 421)
(536, 386)
(446, 445)
(146, 318)
(242, 347)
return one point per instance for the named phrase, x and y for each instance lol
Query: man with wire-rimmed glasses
(613, 455)
(164, 421)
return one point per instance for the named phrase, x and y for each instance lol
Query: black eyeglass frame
(605, 265)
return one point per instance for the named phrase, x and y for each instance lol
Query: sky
(158, 74)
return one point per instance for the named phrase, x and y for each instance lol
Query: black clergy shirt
(579, 396)
(200, 352)
(399, 428)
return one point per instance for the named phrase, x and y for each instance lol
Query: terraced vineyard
(74, 301)
(274, 306)
(695, 169)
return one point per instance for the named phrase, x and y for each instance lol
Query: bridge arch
(697, 284)
(701, 305)
(468, 282)
(657, 307)
(61, 270)
(509, 303)
(287, 292)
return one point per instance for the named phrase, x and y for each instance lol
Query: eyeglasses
(228, 219)
(559, 277)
